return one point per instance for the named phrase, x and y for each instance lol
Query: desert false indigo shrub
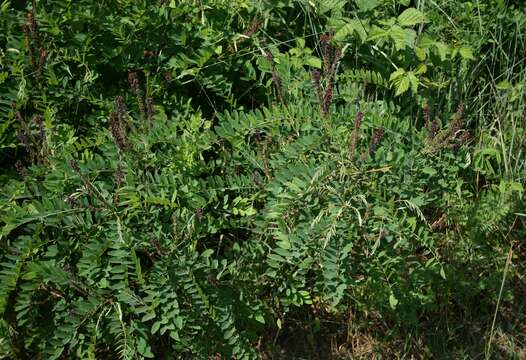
(240, 222)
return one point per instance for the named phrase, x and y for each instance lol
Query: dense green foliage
(272, 179)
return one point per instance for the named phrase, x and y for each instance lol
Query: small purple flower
(316, 77)
(122, 112)
(276, 79)
(118, 132)
(426, 115)
(358, 120)
(41, 60)
(133, 79)
(336, 58)
(252, 28)
(325, 50)
(24, 139)
(20, 169)
(119, 175)
(327, 100)
(355, 136)
(20, 119)
(74, 165)
(377, 137)
(39, 121)
(434, 129)
(457, 120)
(149, 108)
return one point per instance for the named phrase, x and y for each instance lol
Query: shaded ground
(456, 333)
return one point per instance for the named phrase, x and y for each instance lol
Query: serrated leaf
(422, 69)
(411, 17)
(366, 5)
(402, 38)
(330, 5)
(413, 81)
(314, 61)
(396, 74)
(402, 85)
(353, 26)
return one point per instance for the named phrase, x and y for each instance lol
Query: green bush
(201, 180)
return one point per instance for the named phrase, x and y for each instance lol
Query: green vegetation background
(285, 179)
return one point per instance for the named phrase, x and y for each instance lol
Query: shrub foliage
(187, 179)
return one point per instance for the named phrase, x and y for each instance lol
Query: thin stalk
(506, 268)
